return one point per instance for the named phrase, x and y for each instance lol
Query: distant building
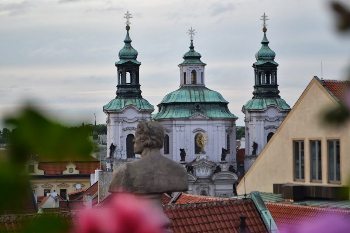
(266, 110)
(306, 157)
(128, 107)
(200, 130)
(61, 177)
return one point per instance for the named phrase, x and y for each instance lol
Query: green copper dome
(265, 54)
(193, 101)
(188, 94)
(192, 57)
(120, 103)
(127, 53)
(261, 104)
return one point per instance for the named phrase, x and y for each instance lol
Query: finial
(264, 19)
(191, 32)
(128, 16)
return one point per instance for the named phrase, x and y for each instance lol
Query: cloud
(219, 8)
(14, 8)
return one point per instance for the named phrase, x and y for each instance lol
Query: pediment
(225, 175)
(198, 116)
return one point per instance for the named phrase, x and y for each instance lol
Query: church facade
(200, 130)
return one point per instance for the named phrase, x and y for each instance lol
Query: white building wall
(119, 125)
(182, 133)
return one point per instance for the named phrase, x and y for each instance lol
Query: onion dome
(128, 53)
(265, 54)
(192, 57)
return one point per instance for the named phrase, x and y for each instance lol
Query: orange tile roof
(292, 215)
(337, 88)
(185, 198)
(165, 199)
(214, 216)
(56, 168)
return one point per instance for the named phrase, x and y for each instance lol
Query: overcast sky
(61, 53)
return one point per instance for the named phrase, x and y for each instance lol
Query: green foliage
(35, 134)
(240, 132)
(45, 223)
(336, 116)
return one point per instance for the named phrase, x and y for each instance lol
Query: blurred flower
(124, 213)
(324, 224)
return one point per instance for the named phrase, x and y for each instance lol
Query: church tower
(200, 130)
(128, 108)
(266, 110)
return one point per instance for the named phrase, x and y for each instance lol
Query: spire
(265, 68)
(192, 57)
(265, 54)
(128, 53)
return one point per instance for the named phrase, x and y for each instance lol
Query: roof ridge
(206, 204)
(333, 209)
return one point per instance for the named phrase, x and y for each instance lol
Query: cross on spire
(264, 19)
(128, 16)
(191, 32)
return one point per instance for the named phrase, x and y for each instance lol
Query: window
(130, 146)
(120, 78)
(166, 144)
(202, 78)
(193, 77)
(333, 160)
(46, 192)
(228, 144)
(268, 78)
(184, 77)
(316, 163)
(63, 193)
(298, 152)
(128, 78)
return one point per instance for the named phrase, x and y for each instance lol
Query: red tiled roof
(165, 199)
(337, 88)
(56, 168)
(186, 198)
(215, 216)
(291, 215)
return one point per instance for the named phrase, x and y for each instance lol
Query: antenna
(321, 70)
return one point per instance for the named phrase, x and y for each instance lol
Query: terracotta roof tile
(185, 198)
(337, 88)
(291, 215)
(57, 168)
(213, 215)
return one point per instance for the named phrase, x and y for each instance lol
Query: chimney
(242, 225)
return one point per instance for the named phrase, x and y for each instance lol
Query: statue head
(149, 134)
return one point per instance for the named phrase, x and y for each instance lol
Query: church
(200, 130)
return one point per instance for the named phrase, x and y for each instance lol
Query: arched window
(202, 78)
(269, 136)
(128, 78)
(120, 78)
(193, 77)
(268, 78)
(204, 193)
(184, 77)
(130, 146)
(228, 143)
(166, 144)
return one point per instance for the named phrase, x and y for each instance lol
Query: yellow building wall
(38, 185)
(275, 163)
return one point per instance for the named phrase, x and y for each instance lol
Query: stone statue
(223, 154)
(182, 154)
(201, 141)
(111, 150)
(153, 173)
(255, 147)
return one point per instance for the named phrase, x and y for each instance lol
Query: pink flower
(323, 224)
(123, 213)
